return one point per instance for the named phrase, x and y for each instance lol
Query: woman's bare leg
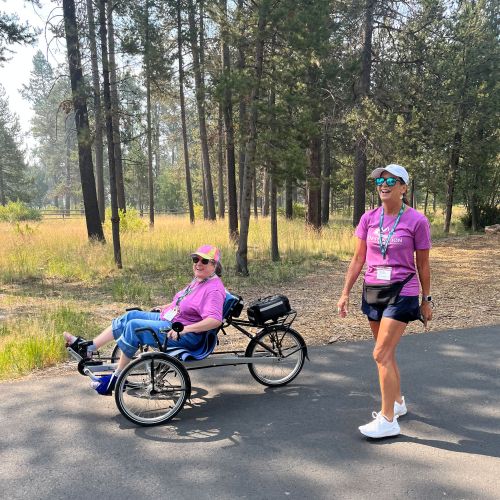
(388, 337)
(103, 338)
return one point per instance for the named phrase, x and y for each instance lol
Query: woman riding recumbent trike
(153, 388)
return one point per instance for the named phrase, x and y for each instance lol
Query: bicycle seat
(233, 305)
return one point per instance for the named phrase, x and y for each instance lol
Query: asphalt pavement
(241, 440)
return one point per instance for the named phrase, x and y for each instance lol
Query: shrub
(198, 211)
(130, 221)
(16, 211)
(487, 216)
(299, 211)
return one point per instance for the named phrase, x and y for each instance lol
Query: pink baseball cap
(208, 252)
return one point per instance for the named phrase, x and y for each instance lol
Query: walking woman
(390, 239)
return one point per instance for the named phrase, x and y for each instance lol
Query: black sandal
(79, 346)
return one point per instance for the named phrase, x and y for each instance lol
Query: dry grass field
(52, 279)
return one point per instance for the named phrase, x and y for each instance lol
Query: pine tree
(13, 168)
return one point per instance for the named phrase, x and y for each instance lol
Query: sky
(16, 72)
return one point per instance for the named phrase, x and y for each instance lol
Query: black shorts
(405, 309)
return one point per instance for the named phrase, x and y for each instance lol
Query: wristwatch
(426, 298)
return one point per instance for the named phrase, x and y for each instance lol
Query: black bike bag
(268, 309)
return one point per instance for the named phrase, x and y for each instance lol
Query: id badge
(170, 314)
(384, 273)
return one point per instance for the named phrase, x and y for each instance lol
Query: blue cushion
(229, 303)
(210, 338)
(205, 348)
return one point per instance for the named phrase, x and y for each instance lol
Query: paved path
(241, 440)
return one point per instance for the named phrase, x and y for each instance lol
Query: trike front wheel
(152, 389)
(283, 352)
(117, 352)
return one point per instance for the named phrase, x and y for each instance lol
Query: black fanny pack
(384, 295)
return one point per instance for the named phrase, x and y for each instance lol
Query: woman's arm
(424, 275)
(202, 326)
(355, 267)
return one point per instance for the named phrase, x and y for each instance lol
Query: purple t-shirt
(206, 300)
(412, 233)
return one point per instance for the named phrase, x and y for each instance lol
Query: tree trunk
(232, 197)
(251, 147)
(411, 197)
(150, 149)
(115, 110)
(359, 179)
(271, 176)
(289, 198)
(275, 252)
(67, 162)
(473, 210)
(254, 194)
(148, 69)
(93, 221)
(156, 147)
(3, 198)
(115, 219)
(189, 190)
(200, 100)
(361, 93)
(326, 184)
(98, 143)
(204, 194)
(242, 109)
(314, 183)
(220, 161)
(452, 173)
(266, 188)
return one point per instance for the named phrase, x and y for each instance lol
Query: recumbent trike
(153, 388)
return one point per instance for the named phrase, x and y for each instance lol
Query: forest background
(222, 109)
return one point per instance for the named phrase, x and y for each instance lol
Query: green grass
(36, 342)
(131, 289)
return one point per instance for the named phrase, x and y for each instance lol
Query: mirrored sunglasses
(390, 181)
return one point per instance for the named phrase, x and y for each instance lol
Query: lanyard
(383, 248)
(190, 288)
(185, 293)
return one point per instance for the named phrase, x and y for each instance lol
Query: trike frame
(274, 344)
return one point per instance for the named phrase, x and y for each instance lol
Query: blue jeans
(129, 341)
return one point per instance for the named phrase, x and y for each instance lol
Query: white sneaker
(400, 408)
(380, 427)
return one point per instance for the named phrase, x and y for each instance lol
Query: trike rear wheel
(284, 350)
(152, 389)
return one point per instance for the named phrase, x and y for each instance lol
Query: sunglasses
(390, 181)
(198, 259)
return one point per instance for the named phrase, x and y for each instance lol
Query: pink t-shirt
(206, 300)
(412, 233)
